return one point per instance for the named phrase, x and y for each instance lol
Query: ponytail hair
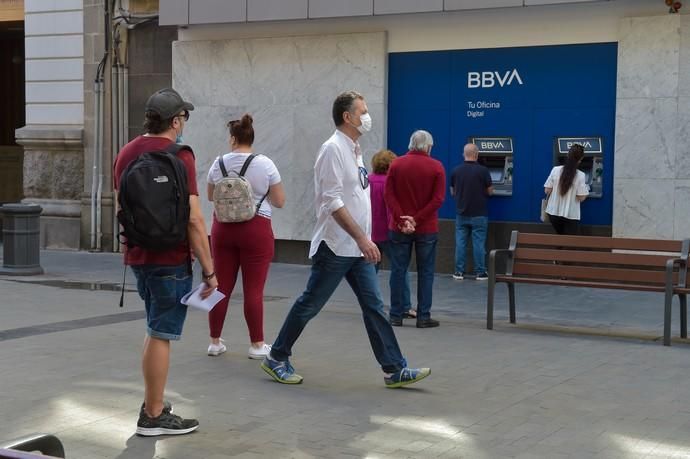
(575, 155)
(243, 130)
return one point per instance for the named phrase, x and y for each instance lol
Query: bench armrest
(492, 260)
(682, 267)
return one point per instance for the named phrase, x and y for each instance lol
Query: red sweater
(416, 186)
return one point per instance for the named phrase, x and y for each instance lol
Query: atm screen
(496, 175)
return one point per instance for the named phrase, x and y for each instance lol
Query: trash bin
(21, 232)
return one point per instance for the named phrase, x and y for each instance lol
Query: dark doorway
(12, 93)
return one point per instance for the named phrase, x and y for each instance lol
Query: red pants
(248, 246)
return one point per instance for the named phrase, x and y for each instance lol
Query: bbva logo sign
(491, 145)
(491, 79)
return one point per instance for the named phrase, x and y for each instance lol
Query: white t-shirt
(261, 174)
(566, 206)
(338, 180)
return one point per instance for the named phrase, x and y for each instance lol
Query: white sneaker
(215, 350)
(259, 353)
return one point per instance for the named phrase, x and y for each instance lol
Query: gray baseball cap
(167, 103)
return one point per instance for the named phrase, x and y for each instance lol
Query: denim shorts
(161, 288)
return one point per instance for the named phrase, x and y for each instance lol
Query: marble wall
(288, 85)
(652, 157)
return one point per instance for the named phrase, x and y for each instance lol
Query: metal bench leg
(511, 299)
(490, 301)
(668, 304)
(683, 316)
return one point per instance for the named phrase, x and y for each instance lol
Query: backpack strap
(246, 164)
(223, 170)
(258, 206)
(175, 148)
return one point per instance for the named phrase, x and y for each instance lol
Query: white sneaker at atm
(258, 353)
(215, 350)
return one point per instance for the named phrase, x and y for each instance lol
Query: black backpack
(154, 200)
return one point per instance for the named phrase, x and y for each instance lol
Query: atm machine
(496, 153)
(592, 164)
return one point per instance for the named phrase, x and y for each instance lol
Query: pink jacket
(379, 212)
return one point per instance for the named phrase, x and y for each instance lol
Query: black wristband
(208, 276)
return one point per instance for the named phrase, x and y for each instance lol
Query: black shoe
(165, 424)
(427, 323)
(482, 276)
(395, 322)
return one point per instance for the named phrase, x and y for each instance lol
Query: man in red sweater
(414, 192)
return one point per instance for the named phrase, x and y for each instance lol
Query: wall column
(652, 160)
(53, 135)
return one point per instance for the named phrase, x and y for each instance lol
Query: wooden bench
(646, 265)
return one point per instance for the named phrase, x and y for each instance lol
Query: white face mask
(366, 123)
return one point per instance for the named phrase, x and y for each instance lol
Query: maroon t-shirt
(416, 186)
(139, 146)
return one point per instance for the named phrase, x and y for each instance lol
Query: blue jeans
(327, 271)
(162, 287)
(400, 255)
(478, 227)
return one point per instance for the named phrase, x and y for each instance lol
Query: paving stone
(510, 392)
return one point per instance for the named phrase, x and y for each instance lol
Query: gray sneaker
(165, 424)
(282, 372)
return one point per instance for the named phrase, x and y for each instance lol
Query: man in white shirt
(342, 248)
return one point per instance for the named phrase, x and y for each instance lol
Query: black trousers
(564, 225)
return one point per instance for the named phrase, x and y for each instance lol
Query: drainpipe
(124, 136)
(96, 153)
(101, 134)
(120, 106)
(97, 176)
(114, 115)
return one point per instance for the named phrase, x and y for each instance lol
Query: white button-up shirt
(337, 183)
(565, 206)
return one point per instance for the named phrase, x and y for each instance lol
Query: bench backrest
(596, 259)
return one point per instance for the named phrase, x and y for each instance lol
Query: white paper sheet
(194, 299)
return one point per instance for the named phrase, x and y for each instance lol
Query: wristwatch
(208, 276)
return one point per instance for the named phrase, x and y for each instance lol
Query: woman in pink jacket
(379, 212)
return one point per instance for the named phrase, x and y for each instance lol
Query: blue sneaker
(406, 376)
(282, 372)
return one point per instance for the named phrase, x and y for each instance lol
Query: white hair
(421, 141)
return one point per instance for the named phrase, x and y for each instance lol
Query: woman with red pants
(248, 245)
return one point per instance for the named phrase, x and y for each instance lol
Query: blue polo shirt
(470, 181)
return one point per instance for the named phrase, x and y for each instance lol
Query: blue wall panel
(538, 93)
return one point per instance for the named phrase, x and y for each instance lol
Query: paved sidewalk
(70, 366)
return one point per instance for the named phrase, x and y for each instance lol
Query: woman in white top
(566, 188)
(248, 245)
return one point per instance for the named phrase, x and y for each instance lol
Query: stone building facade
(283, 60)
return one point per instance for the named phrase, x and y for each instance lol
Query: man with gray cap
(163, 277)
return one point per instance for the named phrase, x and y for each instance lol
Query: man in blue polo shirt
(471, 187)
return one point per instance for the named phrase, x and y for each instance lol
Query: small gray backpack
(233, 197)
